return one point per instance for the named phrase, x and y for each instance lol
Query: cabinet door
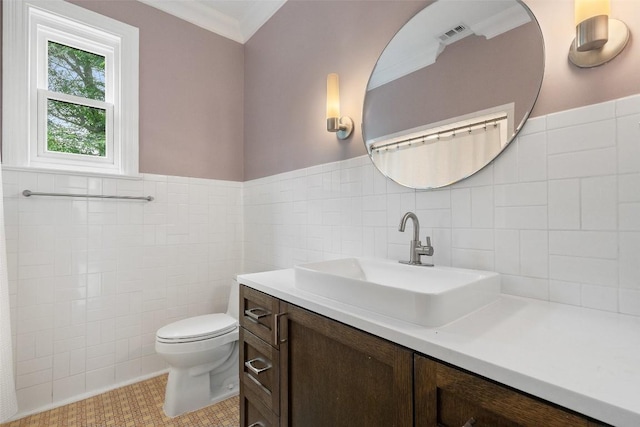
(334, 375)
(449, 397)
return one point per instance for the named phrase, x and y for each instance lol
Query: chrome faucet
(417, 250)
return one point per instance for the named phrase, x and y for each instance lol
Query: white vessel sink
(428, 296)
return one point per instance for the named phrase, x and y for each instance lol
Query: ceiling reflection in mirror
(451, 90)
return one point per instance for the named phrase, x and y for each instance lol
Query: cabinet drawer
(258, 314)
(260, 370)
(255, 414)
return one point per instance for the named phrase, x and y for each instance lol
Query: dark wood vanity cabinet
(310, 371)
(449, 397)
(301, 369)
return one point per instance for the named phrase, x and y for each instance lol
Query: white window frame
(28, 26)
(45, 31)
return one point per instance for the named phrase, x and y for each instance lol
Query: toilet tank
(234, 300)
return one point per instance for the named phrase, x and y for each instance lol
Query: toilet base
(188, 392)
(173, 408)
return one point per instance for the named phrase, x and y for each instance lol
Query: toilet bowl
(202, 354)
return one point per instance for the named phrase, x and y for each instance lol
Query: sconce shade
(333, 96)
(592, 24)
(586, 9)
(343, 126)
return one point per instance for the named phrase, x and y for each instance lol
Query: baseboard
(84, 396)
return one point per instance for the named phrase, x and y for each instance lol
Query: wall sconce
(599, 39)
(342, 125)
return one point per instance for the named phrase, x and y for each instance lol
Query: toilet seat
(197, 328)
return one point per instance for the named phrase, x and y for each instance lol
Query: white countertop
(585, 360)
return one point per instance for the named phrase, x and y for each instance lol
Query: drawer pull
(249, 364)
(257, 424)
(470, 423)
(257, 313)
(276, 329)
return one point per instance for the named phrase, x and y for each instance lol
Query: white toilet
(202, 353)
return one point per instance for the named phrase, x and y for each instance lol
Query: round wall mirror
(451, 90)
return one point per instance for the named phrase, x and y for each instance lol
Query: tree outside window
(75, 128)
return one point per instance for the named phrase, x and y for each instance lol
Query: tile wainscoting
(558, 213)
(91, 280)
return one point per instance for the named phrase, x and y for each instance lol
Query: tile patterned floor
(135, 405)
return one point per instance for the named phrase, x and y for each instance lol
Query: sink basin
(428, 296)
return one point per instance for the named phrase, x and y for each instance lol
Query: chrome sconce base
(617, 40)
(343, 126)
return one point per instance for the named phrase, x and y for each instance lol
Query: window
(74, 77)
(74, 102)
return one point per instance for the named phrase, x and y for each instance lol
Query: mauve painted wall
(287, 60)
(191, 94)
(286, 66)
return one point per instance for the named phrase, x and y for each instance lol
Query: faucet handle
(427, 249)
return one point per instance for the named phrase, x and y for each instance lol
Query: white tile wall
(558, 213)
(92, 280)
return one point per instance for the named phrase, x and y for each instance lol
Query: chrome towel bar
(29, 193)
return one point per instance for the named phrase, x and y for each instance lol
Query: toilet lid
(197, 328)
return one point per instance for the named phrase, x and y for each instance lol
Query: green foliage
(76, 72)
(74, 128)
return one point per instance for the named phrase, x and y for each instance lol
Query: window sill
(136, 177)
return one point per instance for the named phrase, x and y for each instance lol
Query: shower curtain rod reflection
(444, 133)
(29, 193)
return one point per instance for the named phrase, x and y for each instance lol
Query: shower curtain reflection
(437, 161)
(8, 403)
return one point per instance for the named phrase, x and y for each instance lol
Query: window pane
(77, 129)
(76, 72)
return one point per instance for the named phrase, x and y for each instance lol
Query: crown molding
(205, 15)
